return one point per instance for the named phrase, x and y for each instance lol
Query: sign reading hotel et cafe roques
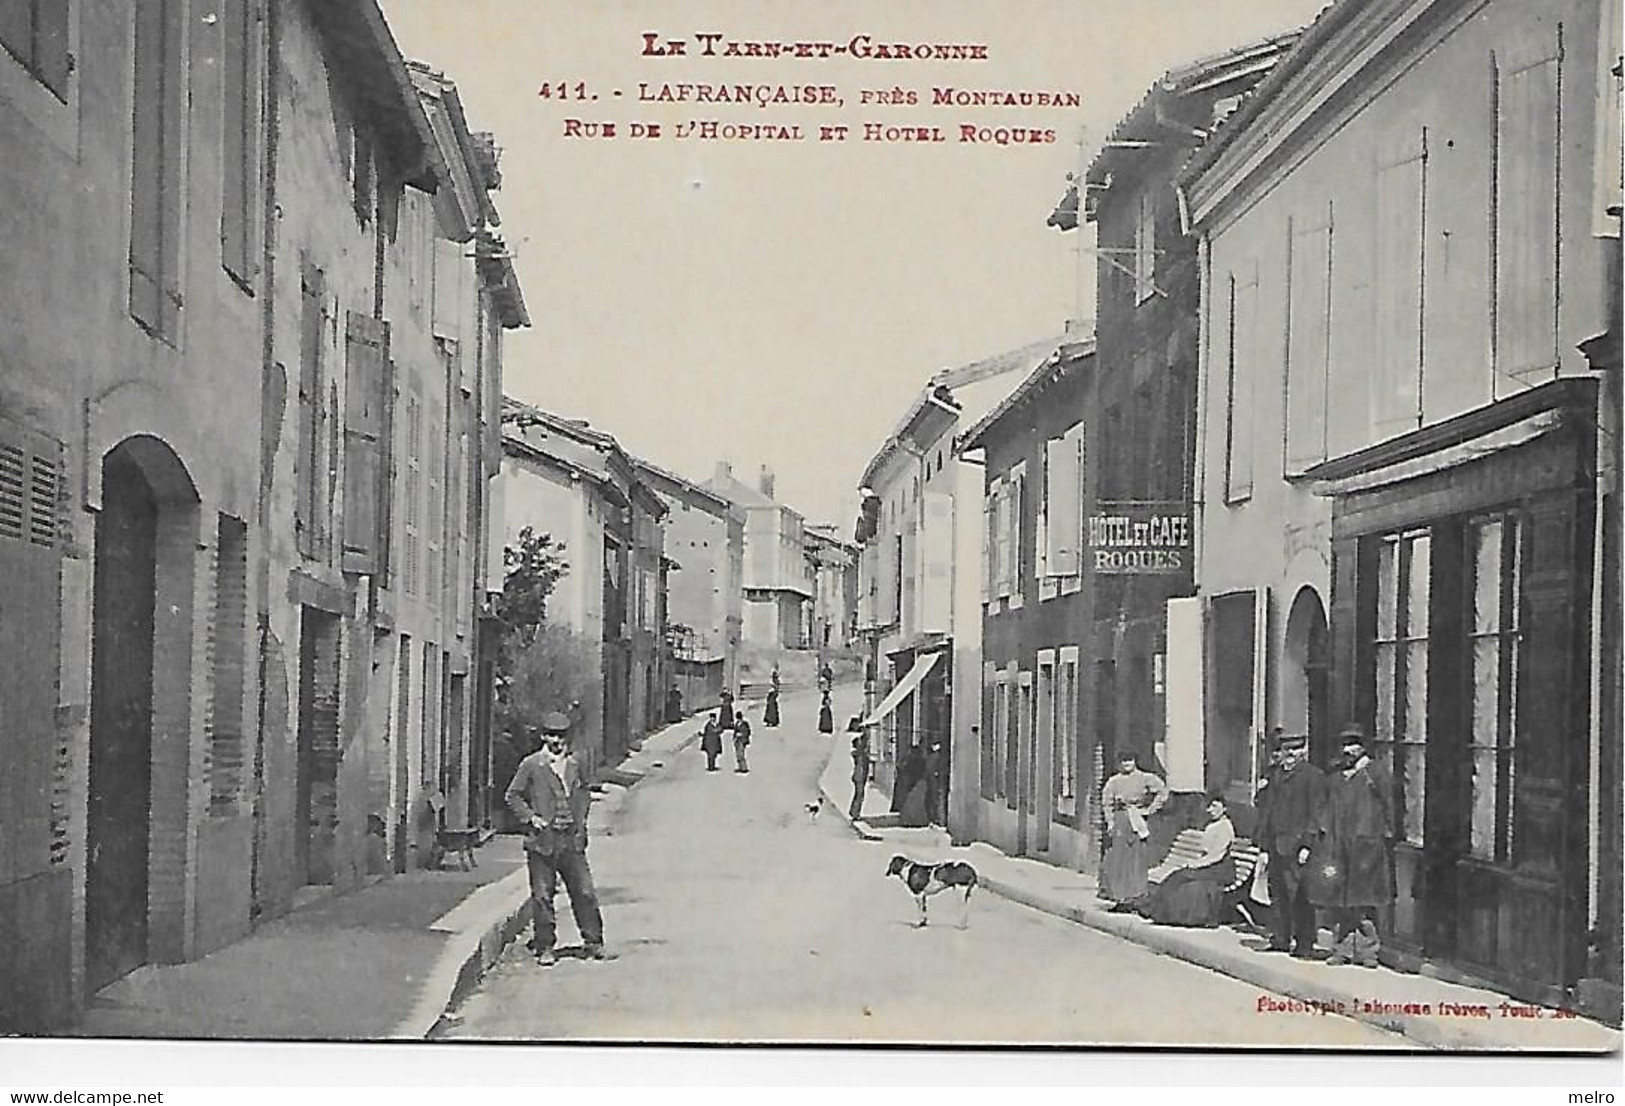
(1139, 538)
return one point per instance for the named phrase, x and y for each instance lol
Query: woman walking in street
(770, 717)
(711, 743)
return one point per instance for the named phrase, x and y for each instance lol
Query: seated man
(1193, 893)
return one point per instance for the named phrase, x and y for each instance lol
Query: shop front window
(1401, 660)
(1497, 570)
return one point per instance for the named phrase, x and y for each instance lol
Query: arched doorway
(1304, 674)
(140, 667)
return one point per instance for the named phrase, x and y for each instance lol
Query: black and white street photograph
(534, 531)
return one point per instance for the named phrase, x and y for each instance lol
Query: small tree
(532, 566)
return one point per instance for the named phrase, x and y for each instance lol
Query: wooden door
(119, 820)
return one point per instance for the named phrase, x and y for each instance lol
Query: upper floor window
(1145, 248)
(35, 32)
(1527, 152)
(155, 168)
(239, 146)
(1401, 260)
(1241, 366)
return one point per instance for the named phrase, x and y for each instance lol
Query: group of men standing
(1328, 836)
(728, 723)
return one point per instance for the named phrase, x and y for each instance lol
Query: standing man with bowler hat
(550, 797)
(1287, 823)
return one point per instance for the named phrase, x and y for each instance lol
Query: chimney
(766, 482)
(725, 473)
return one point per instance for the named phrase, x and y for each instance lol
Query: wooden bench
(1187, 847)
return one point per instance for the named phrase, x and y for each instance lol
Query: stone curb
(857, 826)
(1426, 1032)
(477, 947)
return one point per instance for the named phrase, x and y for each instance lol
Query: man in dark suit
(1353, 875)
(550, 797)
(1288, 809)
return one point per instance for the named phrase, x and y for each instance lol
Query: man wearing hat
(1352, 875)
(1288, 817)
(550, 797)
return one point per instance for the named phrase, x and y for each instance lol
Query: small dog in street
(813, 808)
(923, 880)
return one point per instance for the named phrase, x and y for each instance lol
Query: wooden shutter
(307, 464)
(412, 491)
(146, 168)
(1528, 130)
(51, 58)
(1063, 504)
(366, 346)
(1183, 711)
(936, 583)
(239, 129)
(1401, 199)
(1308, 345)
(171, 189)
(32, 833)
(384, 570)
(35, 32)
(987, 544)
(1349, 683)
(1244, 366)
(1018, 498)
(1261, 672)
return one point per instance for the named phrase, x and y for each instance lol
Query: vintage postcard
(1084, 523)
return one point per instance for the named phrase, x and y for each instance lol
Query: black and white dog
(923, 880)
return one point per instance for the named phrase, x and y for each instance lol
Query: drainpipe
(268, 234)
(1199, 463)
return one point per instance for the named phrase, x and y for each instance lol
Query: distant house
(575, 484)
(919, 612)
(778, 580)
(834, 563)
(705, 545)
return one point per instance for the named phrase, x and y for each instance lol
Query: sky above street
(781, 302)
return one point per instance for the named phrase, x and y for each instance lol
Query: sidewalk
(1430, 1012)
(384, 961)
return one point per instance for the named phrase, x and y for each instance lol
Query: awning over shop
(905, 687)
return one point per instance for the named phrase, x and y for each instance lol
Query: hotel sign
(1140, 539)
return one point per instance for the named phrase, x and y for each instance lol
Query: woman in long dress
(1130, 798)
(1193, 894)
(770, 716)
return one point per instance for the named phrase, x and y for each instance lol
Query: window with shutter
(32, 833)
(239, 153)
(1308, 343)
(1242, 367)
(1401, 255)
(366, 345)
(1018, 490)
(1062, 505)
(308, 461)
(1528, 130)
(434, 520)
(155, 184)
(412, 492)
(35, 32)
(987, 545)
(1145, 253)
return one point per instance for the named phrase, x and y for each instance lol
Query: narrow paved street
(736, 916)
